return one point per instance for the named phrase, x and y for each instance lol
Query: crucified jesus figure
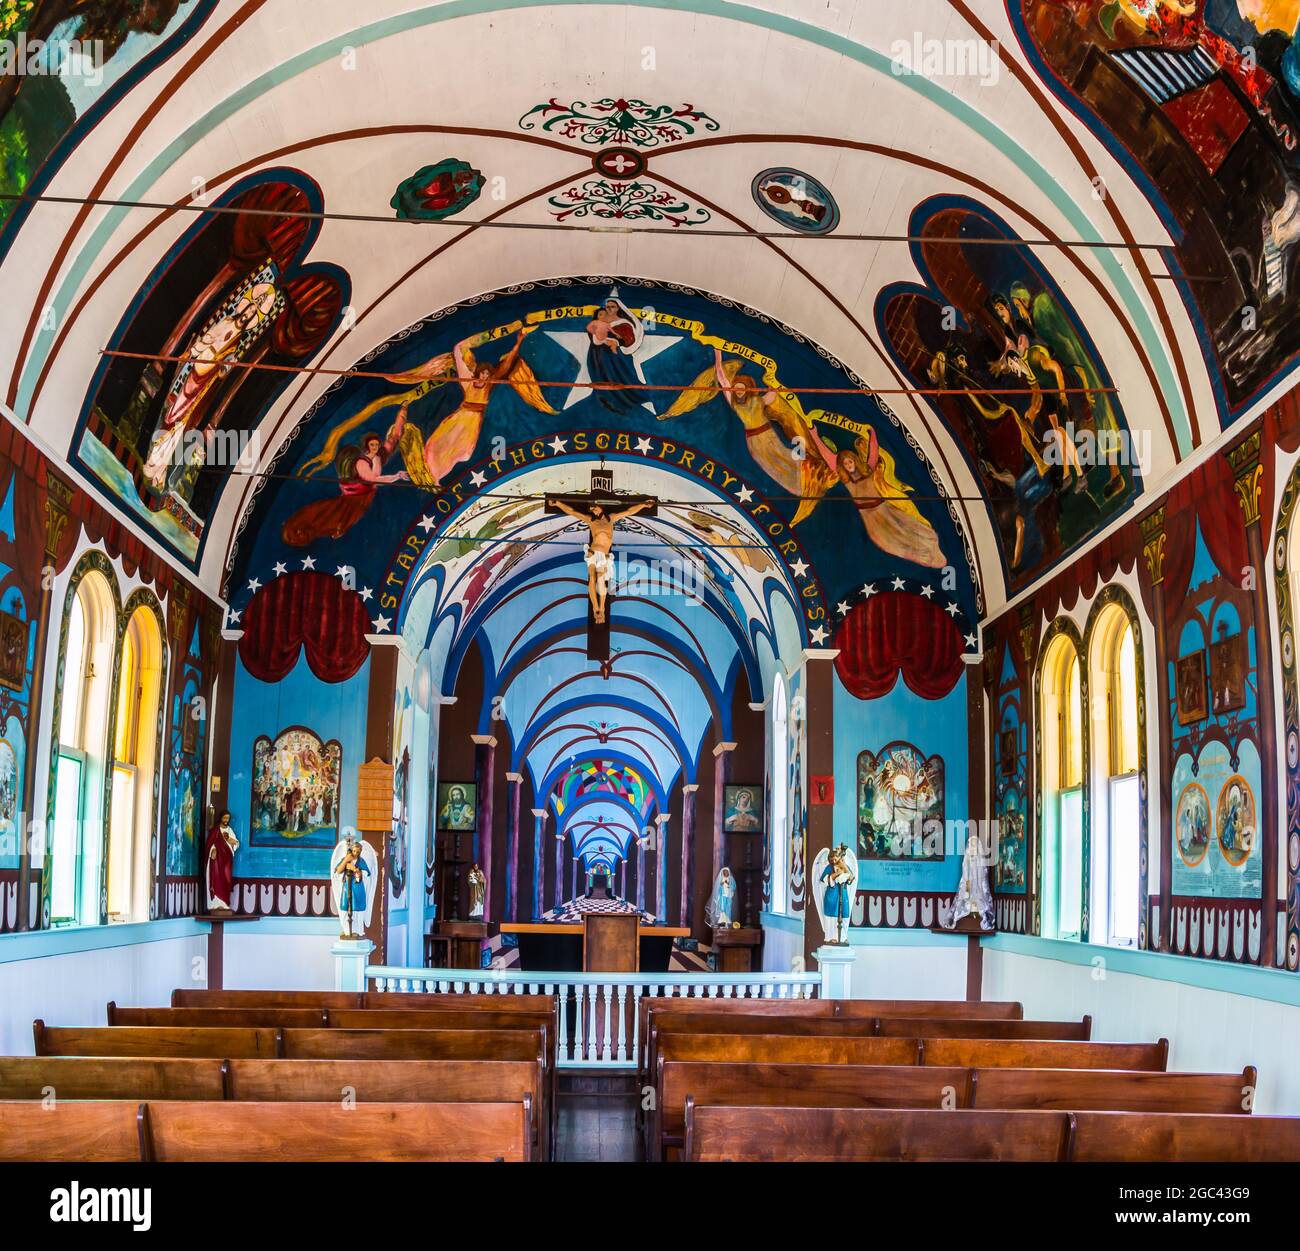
(596, 554)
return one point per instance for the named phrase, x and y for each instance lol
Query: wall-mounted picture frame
(13, 651)
(457, 807)
(295, 800)
(742, 809)
(900, 804)
(1008, 750)
(1189, 674)
(1228, 675)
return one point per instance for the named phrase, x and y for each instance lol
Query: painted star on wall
(577, 342)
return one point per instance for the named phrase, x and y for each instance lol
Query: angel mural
(463, 387)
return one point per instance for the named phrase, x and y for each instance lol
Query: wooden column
(819, 687)
(485, 759)
(1248, 476)
(661, 868)
(380, 711)
(516, 781)
(1029, 616)
(688, 859)
(539, 866)
(721, 775)
(1153, 551)
(558, 845)
(640, 872)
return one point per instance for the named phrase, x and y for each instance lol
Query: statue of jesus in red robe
(219, 864)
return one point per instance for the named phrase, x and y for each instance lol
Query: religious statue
(835, 885)
(973, 898)
(477, 891)
(219, 864)
(596, 554)
(352, 862)
(722, 903)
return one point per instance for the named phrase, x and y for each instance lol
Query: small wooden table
(735, 949)
(216, 922)
(467, 939)
(559, 946)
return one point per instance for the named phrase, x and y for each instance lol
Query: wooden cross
(602, 493)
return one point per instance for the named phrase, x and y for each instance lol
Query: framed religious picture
(13, 651)
(742, 809)
(295, 801)
(190, 716)
(1008, 749)
(457, 806)
(900, 802)
(1228, 675)
(1189, 674)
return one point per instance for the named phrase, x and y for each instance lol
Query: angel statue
(799, 464)
(973, 898)
(459, 411)
(722, 903)
(835, 886)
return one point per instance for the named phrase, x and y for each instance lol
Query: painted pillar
(485, 760)
(661, 868)
(1029, 616)
(819, 688)
(380, 714)
(1153, 551)
(559, 868)
(640, 872)
(688, 859)
(721, 776)
(512, 856)
(539, 833)
(1248, 476)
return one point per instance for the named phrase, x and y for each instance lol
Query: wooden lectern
(611, 942)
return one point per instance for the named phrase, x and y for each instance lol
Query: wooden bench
(921, 1027)
(225, 1043)
(873, 1134)
(72, 1133)
(1011, 1053)
(384, 1132)
(221, 1018)
(1128, 1137)
(788, 1049)
(1083, 1090)
(113, 1077)
(339, 999)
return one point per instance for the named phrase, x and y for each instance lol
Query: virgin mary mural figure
(615, 335)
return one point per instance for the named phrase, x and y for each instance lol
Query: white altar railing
(598, 1012)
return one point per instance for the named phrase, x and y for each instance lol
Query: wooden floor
(596, 1127)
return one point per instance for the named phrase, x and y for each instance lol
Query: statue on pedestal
(835, 886)
(352, 862)
(720, 912)
(477, 891)
(219, 864)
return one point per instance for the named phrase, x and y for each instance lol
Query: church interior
(656, 582)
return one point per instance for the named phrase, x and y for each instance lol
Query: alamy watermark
(947, 58)
(44, 58)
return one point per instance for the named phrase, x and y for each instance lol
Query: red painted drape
(897, 632)
(309, 610)
(1206, 494)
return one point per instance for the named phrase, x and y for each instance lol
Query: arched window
(76, 835)
(780, 797)
(135, 762)
(1116, 810)
(1062, 788)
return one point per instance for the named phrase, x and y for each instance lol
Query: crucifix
(600, 510)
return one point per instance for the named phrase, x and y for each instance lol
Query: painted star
(577, 343)
(952, 610)
(971, 641)
(254, 585)
(344, 571)
(557, 444)
(427, 524)
(381, 624)
(233, 617)
(868, 590)
(744, 495)
(818, 636)
(843, 607)
(279, 568)
(478, 478)
(643, 446)
(800, 567)
(309, 562)
(927, 591)
(365, 592)
(898, 584)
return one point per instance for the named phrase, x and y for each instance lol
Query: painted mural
(635, 371)
(295, 790)
(1035, 410)
(796, 200)
(68, 59)
(900, 804)
(438, 191)
(173, 410)
(1201, 99)
(1216, 829)
(186, 776)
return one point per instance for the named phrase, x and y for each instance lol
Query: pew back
(415, 1044)
(266, 999)
(221, 1018)
(1124, 1137)
(921, 1027)
(787, 1049)
(155, 1040)
(1039, 1054)
(68, 1077)
(74, 1133)
(872, 1134)
(1082, 1090)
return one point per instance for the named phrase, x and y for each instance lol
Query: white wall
(913, 971)
(1210, 1029)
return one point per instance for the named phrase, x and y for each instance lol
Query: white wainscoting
(1217, 1017)
(281, 953)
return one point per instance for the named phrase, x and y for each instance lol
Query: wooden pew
(1011, 1053)
(221, 1018)
(385, 1132)
(1104, 1090)
(542, 1018)
(266, 999)
(920, 1027)
(159, 1041)
(114, 1077)
(872, 1134)
(788, 1049)
(397, 1081)
(793, 1085)
(73, 1133)
(415, 1044)
(1129, 1137)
